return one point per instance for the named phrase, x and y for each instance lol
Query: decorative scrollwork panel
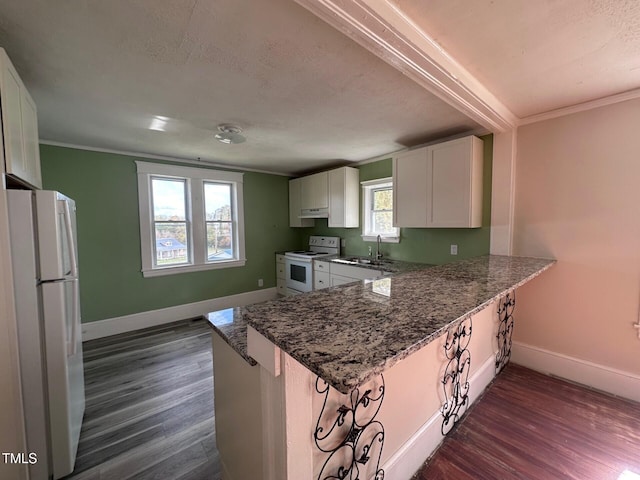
(349, 434)
(505, 330)
(455, 382)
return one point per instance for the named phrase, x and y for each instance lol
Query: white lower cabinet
(353, 272)
(330, 274)
(321, 274)
(321, 280)
(340, 280)
(281, 281)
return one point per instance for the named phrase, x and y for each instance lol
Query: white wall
(578, 200)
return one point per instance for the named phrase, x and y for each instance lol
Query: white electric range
(299, 264)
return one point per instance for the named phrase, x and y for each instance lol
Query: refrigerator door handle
(72, 349)
(70, 240)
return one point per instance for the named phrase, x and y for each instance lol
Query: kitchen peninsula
(367, 376)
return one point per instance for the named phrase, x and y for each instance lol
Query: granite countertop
(348, 334)
(232, 328)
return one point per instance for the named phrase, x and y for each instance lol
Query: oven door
(299, 274)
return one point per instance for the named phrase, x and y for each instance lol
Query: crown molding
(200, 163)
(582, 107)
(383, 29)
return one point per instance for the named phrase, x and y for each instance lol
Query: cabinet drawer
(279, 258)
(321, 266)
(281, 287)
(321, 280)
(280, 269)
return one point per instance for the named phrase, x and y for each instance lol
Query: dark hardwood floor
(149, 406)
(149, 415)
(532, 426)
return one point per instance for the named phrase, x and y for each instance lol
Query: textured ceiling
(541, 55)
(305, 95)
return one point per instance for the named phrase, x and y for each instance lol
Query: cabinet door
(344, 194)
(19, 126)
(356, 273)
(409, 189)
(340, 280)
(30, 138)
(12, 120)
(454, 173)
(280, 271)
(295, 186)
(321, 280)
(315, 191)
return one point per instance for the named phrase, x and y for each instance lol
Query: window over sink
(190, 218)
(377, 211)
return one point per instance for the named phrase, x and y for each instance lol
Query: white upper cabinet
(409, 189)
(19, 126)
(295, 189)
(344, 197)
(440, 185)
(333, 195)
(315, 191)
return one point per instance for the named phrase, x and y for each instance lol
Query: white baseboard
(136, 321)
(616, 382)
(412, 455)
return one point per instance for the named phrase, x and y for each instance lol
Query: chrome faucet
(378, 253)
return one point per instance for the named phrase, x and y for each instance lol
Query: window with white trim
(377, 211)
(190, 219)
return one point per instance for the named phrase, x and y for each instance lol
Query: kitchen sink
(360, 261)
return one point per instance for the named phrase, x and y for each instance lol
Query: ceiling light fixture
(229, 134)
(159, 123)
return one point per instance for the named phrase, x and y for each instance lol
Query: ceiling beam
(387, 32)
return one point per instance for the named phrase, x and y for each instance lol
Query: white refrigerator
(43, 237)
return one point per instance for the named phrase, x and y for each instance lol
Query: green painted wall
(104, 186)
(426, 245)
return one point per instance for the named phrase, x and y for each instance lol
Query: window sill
(158, 272)
(374, 238)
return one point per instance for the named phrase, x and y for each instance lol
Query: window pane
(219, 241)
(383, 199)
(168, 199)
(217, 199)
(382, 222)
(171, 243)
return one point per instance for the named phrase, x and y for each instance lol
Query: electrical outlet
(260, 282)
(343, 242)
(454, 249)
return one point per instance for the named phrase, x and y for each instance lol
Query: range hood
(314, 213)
